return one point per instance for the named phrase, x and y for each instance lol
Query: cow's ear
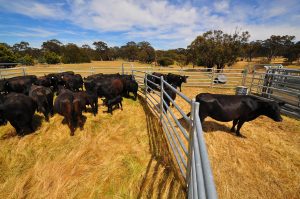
(281, 103)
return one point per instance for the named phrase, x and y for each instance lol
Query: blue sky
(165, 24)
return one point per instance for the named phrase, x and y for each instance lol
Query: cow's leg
(46, 116)
(80, 122)
(239, 126)
(70, 124)
(96, 108)
(121, 106)
(180, 88)
(233, 125)
(135, 95)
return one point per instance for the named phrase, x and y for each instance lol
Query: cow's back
(226, 107)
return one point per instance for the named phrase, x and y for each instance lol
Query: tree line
(211, 49)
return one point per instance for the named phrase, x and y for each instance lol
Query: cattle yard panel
(186, 143)
(279, 85)
(206, 78)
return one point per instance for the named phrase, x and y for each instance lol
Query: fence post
(161, 97)
(24, 73)
(250, 89)
(212, 77)
(245, 73)
(132, 74)
(210, 188)
(146, 84)
(122, 68)
(131, 66)
(190, 149)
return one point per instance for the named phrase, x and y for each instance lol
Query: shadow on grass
(161, 178)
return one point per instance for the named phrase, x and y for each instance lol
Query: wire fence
(186, 142)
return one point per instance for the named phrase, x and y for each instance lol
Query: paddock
(127, 155)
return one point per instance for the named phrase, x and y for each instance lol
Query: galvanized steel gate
(187, 144)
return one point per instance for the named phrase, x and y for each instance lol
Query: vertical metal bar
(132, 74)
(161, 97)
(210, 188)
(190, 149)
(24, 73)
(244, 77)
(250, 89)
(190, 186)
(194, 182)
(199, 169)
(131, 65)
(146, 85)
(212, 77)
(122, 68)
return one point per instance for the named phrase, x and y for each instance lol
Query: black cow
(176, 79)
(236, 108)
(170, 78)
(44, 81)
(43, 96)
(20, 84)
(115, 101)
(88, 98)
(130, 86)
(89, 84)
(109, 88)
(63, 105)
(18, 109)
(154, 81)
(171, 93)
(72, 82)
(79, 106)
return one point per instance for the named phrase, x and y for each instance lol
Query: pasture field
(82, 66)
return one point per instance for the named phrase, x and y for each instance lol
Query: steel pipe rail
(193, 164)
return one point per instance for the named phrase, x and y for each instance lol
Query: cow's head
(272, 110)
(183, 78)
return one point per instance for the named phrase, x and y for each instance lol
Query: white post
(146, 85)
(190, 150)
(24, 73)
(161, 97)
(212, 77)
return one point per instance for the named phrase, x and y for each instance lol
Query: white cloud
(163, 21)
(33, 8)
(29, 32)
(222, 6)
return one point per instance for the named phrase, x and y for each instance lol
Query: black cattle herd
(21, 96)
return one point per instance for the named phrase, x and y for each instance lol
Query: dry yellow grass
(265, 164)
(125, 156)
(119, 156)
